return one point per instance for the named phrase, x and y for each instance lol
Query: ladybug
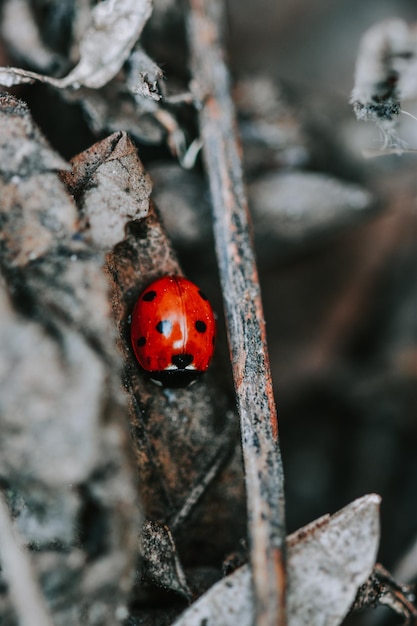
(173, 331)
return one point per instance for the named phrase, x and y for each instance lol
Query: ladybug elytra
(173, 331)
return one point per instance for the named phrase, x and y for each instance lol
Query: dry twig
(244, 315)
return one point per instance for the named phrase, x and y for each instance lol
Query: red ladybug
(173, 331)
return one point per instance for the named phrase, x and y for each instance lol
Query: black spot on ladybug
(149, 296)
(202, 294)
(200, 326)
(141, 342)
(182, 360)
(164, 327)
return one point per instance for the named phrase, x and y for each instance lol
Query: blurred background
(341, 312)
(341, 306)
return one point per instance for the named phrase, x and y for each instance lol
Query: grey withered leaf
(104, 46)
(65, 453)
(162, 563)
(111, 187)
(327, 561)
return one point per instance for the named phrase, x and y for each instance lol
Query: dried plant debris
(382, 589)
(114, 80)
(386, 74)
(111, 188)
(327, 561)
(105, 45)
(162, 563)
(65, 456)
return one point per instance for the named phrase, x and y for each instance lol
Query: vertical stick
(244, 315)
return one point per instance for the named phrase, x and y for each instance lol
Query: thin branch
(25, 593)
(244, 315)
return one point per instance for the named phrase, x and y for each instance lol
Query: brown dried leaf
(112, 189)
(178, 434)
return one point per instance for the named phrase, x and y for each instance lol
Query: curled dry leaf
(65, 453)
(105, 45)
(112, 96)
(326, 563)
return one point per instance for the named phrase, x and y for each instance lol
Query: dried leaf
(161, 562)
(178, 434)
(326, 563)
(112, 189)
(105, 46)
(144, 76)
(65, 451)
(111, 108)
(20, 30)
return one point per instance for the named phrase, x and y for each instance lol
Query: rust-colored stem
(244, 315)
